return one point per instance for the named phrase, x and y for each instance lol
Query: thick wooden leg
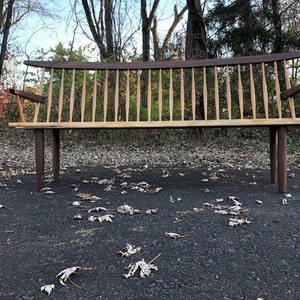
(282, 159)
(56, 153)
(273, 153)
(39, 157)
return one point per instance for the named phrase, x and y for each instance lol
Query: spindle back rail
(223, 92)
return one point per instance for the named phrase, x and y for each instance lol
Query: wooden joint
(291, 92)
(28, 96)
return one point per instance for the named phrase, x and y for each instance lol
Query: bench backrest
(212, 92)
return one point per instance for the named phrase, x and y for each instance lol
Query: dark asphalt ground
(211, 260)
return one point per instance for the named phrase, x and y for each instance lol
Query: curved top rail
(164, 64)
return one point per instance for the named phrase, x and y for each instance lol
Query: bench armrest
(27, 95)
(291, 92)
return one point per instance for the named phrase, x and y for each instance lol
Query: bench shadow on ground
(40, 235)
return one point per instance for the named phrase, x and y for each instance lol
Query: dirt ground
(45, 232)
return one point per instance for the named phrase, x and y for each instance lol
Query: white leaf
(236, 222)
(50, 192)
(47, 288)
(173, 235)
(76, 203)
(127, 209)
(99, 208)
(145, 269)
(130, 250)
(94, 198)
(77, 217)
(65, 274)
(106, 218)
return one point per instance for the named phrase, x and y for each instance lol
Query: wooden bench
(223, 92)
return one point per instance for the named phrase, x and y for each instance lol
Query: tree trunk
(146, 26)
(278, 45)
(6, 28)
(196, 47)
(196, 40)
(109, 27)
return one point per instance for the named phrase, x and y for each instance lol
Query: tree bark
(196, 40)
(6, 28)
(146, 26)
(99, 29)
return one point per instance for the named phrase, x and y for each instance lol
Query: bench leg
(56, 153)
(282, 159)
(273, 152)
(39, 157)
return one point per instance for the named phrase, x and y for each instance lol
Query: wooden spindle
(228, 93)
(50, 96)
(160, 96)
(182, 93)
(252, 92)
(171, 95)
(61, 95)
(205, 104)
(149, 95)
(37, 105)
(217, 97)
(288, 86)
(72, 97)
(265, 91)
(83, 96)
(240, 89)
(117, 91)
(277, 85)
(20, 109)
(94, 105)
(105, 96)
(193, 95)
(138, 96)
(127, 95)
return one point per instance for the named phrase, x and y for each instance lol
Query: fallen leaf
(154, 190)
(236, 222)
(47, 288)
(127, 209)
(198, 209)
(145, 269)
(84, 196)
(77, 217)
(130, 250)
(65, 274)
(174, 235)
(99, 208)
(106, 218)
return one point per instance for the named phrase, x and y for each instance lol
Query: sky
(37, 32)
